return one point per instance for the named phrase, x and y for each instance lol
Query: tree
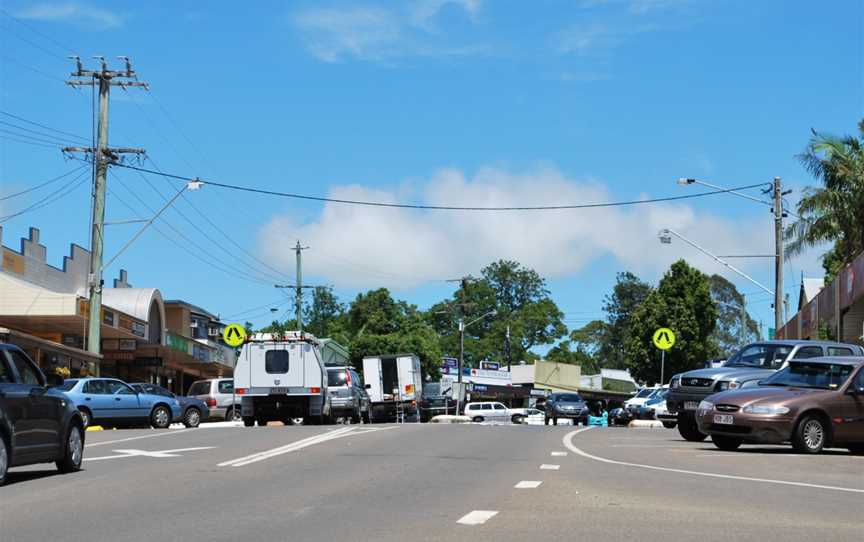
(735, 327)
(628, 293)
(832, 213)
(323, 313)
(581, 348)
(681, 302)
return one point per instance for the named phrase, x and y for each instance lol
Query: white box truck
(394, 384)
(282, 377)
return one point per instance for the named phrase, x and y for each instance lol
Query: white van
(283, 378)
(488, 411)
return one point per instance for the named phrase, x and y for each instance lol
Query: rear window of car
(276, 361)
(837, 351)
(336, 378)
(226, 386)
(200, 388)
(67, 385)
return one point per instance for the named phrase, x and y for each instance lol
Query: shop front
(54, 353)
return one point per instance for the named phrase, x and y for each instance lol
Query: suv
(743, 370)
(37, 424)
(218, 395)
(435, 400)
(348, 398)
(487, 411)
(567, 406)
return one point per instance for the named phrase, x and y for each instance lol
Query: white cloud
(72, 12)
(377, 34)
(356, 246)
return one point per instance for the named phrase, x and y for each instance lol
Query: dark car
(813, 404)
(568, 406)
(193, 411)
(436, 399)
(37, 424)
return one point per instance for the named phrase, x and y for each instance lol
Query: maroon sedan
(813, 403)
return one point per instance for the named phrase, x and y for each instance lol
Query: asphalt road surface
(432, 482)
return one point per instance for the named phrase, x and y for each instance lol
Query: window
(5, 373)
(336, 377)
(858, 383)
(356, 380)
(159, 390)
(27, 372)
(760, 355)
(813, 374)
(200, 388)
(276, 361)
(115, 387)
(837, 351)
(97, 387)
(225, 386)
(499, 406)
(485, 406)
(67, 385)
(808, 352)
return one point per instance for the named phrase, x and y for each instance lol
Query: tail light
(210, 402)
(241, 391)
(315, 390)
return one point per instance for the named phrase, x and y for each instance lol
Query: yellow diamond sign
(234, 335)
(664, 338)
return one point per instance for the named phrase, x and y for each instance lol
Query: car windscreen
(569, 398)
(336, 378)
(431, 389)
(67, 385)
(764, 356)
(644, 393)
(826, 376)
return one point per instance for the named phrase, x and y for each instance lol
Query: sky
(436, 102)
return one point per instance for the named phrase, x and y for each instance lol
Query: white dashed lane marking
(528, 484)
(559, 454)
(477, 517)
(549, 467)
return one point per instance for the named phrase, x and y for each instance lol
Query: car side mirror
(53, 380)
(367, 386)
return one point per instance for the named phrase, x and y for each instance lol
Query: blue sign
(480, 387)
(450, 362)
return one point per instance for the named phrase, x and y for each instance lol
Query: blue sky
(431, 101)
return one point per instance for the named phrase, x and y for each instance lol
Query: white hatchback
(488, 411)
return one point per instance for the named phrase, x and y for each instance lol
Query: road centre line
(528, 484)
(568, 442)
(294, 446)
(558, 454)
(477, 517)
(544, 466)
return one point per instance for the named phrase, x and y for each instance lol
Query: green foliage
(735, 327)
(682, 302)
(321, 316)
(629, 292)
(834, 212)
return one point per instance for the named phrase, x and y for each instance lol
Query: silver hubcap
(297, 421)
(813, 434)
(76, 447)
(4, 461)
(85, 418)
(161, 417)
(193, 417)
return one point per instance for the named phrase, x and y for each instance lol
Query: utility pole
(507, 348)
(103, 156)
(298, 287)
(463, 281)
(778, 265)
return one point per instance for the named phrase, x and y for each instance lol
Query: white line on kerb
(300, 444)
(549, 467)
(528, 484)
(477, 517)
(568, 442)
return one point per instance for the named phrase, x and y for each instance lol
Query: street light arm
(716, 187)
(490, 313)
(667, 231)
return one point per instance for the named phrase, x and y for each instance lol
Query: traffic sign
(234, 335)
(664, 338)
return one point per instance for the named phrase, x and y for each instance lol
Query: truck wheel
(248, 421)
(261, 421)
(688, 429)
(727, 444)
(4, 459)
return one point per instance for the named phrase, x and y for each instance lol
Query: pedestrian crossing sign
(664, 338)
(234, 335)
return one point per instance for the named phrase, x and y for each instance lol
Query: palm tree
(834, 212)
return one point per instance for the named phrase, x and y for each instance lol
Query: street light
(779, 214)
(462, 326)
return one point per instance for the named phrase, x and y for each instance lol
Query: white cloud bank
(72, 12)
(357, 246)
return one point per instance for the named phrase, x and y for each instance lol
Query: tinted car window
(486, 406)
(837, 351)
(858, 384)
(336, 378)
(226, 386)
(67, 385)
(95, 386)
(760, 355)
(808, 352)
(200, 388)
(5, 372)
(497, 406)
(826, 376)
(276, 361)
(26, 371)
(119, 388)
(569, 398)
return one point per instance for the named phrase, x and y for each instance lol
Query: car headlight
(675, 383)
(722, 386)
(706, 406)
(765, 409)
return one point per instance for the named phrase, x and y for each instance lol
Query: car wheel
(192, 418)
(4, 460)
(517, 419)
(233, 415)
(160, 417)
(727, 444)
(688, 429)
(73, 451)
(262, 422)
(248, 421)
(86, 417)
(669, 425)
(477, 419)
(810, 435)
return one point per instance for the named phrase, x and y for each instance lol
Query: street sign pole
(662, 366)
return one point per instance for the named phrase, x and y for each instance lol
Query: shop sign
(124, 356)
(132, 326)
(75, 341)
(110, 344)
(200, 353)
(83, 307)
(539, 393)
(450, 362)
(127, 344)
(490, 365)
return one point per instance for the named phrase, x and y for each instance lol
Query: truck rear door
(281, 369)
(372, 377)
(408, 376)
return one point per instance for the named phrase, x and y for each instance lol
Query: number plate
(690, 405)
(724, 419)
(277, 391)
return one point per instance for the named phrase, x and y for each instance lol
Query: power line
(37, 139)
(46, 183)
(58, 194)
(439, 207)
(66, 50)
(54, 147)
(36, 132)
(44, 127)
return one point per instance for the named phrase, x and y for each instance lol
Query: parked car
(632, 405)
(436, 398)
(813, 404)
(620, 416)
(746, 368)
(566, 406)
(490, 411)
(37, 424)
(218, 395)
(348, 398)
(105, 401)
(192, 411)
(655, 409)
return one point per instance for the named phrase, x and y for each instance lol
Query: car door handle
(86, 398)
(116, 398)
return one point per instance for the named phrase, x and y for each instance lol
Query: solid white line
(267, 454)
(568, 442)
(477, 517)
(528, 484)
(166, 433)
(559, 454)
(549, 467)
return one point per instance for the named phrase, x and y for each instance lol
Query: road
(432, 482)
